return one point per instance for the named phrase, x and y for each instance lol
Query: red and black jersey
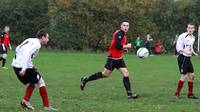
(5, 40)
(116, 47)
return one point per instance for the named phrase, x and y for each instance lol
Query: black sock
(127, 85)
(3, 62)
(94, 76)
(1, 58)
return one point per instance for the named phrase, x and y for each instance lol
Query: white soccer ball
(143, 52)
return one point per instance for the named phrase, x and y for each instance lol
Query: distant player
(138, 43)
(149, 41)
(115, 60)
(25, 71)
(4, 46)
(184, 47)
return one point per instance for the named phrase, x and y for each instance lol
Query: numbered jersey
(185, 41)
(25, 52)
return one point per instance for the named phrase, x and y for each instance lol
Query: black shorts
(3, 51)
(31, 75)
(111, 64)
(185, 65)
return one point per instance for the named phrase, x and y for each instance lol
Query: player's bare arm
(129, 45)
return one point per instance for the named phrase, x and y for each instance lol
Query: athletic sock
(127, 85)
(44, 95)
(190, 88)
(94, 76)
(3, 62)
(29, 91)
(180, 85)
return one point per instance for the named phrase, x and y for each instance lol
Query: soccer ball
(142, 52)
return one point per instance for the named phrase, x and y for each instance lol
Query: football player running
(114, 60)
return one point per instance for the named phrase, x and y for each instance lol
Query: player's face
(45, 39)
(125, 26)
(190, 29)
(6, 29)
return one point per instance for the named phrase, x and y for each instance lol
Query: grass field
(155, 78)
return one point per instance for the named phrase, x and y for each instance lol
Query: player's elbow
(179, 50)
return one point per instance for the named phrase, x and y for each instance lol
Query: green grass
(155, 78)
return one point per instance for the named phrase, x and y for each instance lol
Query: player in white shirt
(25, 71)
(184, 47)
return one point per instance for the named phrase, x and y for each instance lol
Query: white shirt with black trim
(185, 41)
(25, 52)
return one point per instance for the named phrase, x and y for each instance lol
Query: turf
(155, 78)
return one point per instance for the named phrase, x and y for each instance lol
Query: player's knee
(106, 74)
(41, 82)
(41, 85)
(183, 77)
(125, 73)
(191, 78)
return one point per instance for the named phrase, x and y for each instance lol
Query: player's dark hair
(191, 23)
(119, 25)
(41, 33)
(122, 22)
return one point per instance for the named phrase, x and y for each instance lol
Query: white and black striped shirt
(185, 41)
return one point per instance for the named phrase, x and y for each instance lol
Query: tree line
(88, 24)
